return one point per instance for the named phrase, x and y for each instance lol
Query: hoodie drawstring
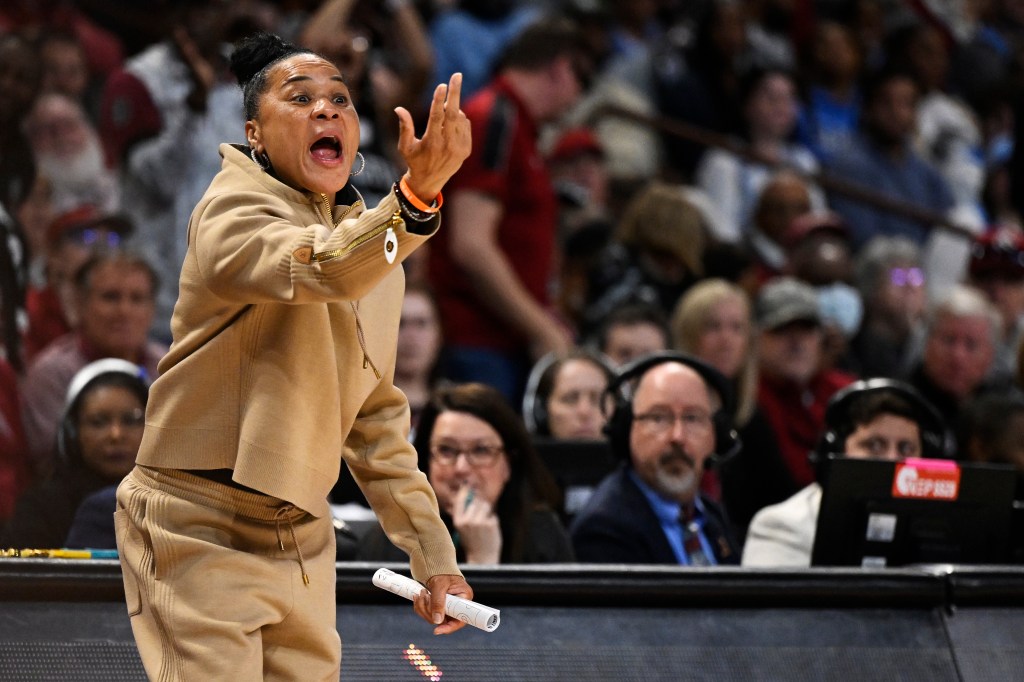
(283, 513)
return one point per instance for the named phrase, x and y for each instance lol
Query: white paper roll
(471, 612)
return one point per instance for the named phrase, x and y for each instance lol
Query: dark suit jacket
(618, 526)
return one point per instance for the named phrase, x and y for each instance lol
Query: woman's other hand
(479, 531)
(446, 142)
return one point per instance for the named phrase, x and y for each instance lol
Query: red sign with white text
(922, 479)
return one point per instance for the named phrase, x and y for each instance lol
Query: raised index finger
(451, 105)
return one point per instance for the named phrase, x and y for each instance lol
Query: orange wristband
(416, 201)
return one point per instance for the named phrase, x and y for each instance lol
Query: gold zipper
(330, 211)
(362, 341)
(394, 221)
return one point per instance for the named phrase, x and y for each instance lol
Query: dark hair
(250, 61)
(530, 485)
(13, 276)
(983, 429)
(876, 81)
(868, 408)
(70, 452)
(541, 43)
(631, 314)
(546, 382)
(125, 260)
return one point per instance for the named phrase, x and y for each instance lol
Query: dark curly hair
(252, 58)
(530, 485)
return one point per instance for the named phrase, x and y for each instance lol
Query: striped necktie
(691, 538)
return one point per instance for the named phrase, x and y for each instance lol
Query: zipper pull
(366, 361)
(390, 245)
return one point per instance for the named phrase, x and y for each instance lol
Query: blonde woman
(713, 322)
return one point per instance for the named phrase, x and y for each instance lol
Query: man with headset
(649, 511)
(873, 418)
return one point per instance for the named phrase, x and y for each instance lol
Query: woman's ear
(252, 134)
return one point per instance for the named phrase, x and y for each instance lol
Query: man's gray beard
(681, 486)
(80, 179)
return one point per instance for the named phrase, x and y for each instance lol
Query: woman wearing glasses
(494, 493)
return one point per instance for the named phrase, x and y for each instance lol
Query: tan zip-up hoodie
(283, 354)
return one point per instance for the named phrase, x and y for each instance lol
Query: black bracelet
(411, 211)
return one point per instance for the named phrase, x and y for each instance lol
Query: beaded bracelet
(413, 212)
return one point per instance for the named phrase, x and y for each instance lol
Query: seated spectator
(698, 82)
(829, 116)
(115, 297)
(877, 418)
(713, 322)
(819, 253)
(632, 331)
(891, 280)
(959, 351)
(947, 133)
(883, 158)
(793, 388)
(100, 432)
(673, 415)
(734, 183)
(997, 269)
(69, 153)
(419, 349)
(565, 395)
(494, 493)
(71, 240)
(655, 254)
(565, 411)
(784, 198)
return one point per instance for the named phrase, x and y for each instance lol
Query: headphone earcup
(67, 437)
(617, 429)
(727, 440)
(540, 417)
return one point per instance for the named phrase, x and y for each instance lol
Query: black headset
(727, 440)
(535, 405)
(936, 440)
(67, 433)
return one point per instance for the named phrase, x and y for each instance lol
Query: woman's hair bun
(254, 52)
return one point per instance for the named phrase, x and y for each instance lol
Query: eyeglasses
(479, 455)
(661, 421)
(99, 238)
(133, 419)
(907, 277)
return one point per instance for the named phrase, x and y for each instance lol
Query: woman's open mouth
(327, 149)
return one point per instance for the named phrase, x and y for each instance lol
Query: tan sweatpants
(210, 591)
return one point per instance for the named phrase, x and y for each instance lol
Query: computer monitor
(577, 465)
(883, 513)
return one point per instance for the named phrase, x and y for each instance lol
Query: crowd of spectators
(798, 194)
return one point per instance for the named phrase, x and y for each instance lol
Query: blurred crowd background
(800, 193)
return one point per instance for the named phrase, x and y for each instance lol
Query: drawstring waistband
(249, 505)
(284, 513)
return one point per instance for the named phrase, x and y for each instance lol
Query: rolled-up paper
(471, 612)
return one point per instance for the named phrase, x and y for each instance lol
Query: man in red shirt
(793, 390)
(492, 265)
